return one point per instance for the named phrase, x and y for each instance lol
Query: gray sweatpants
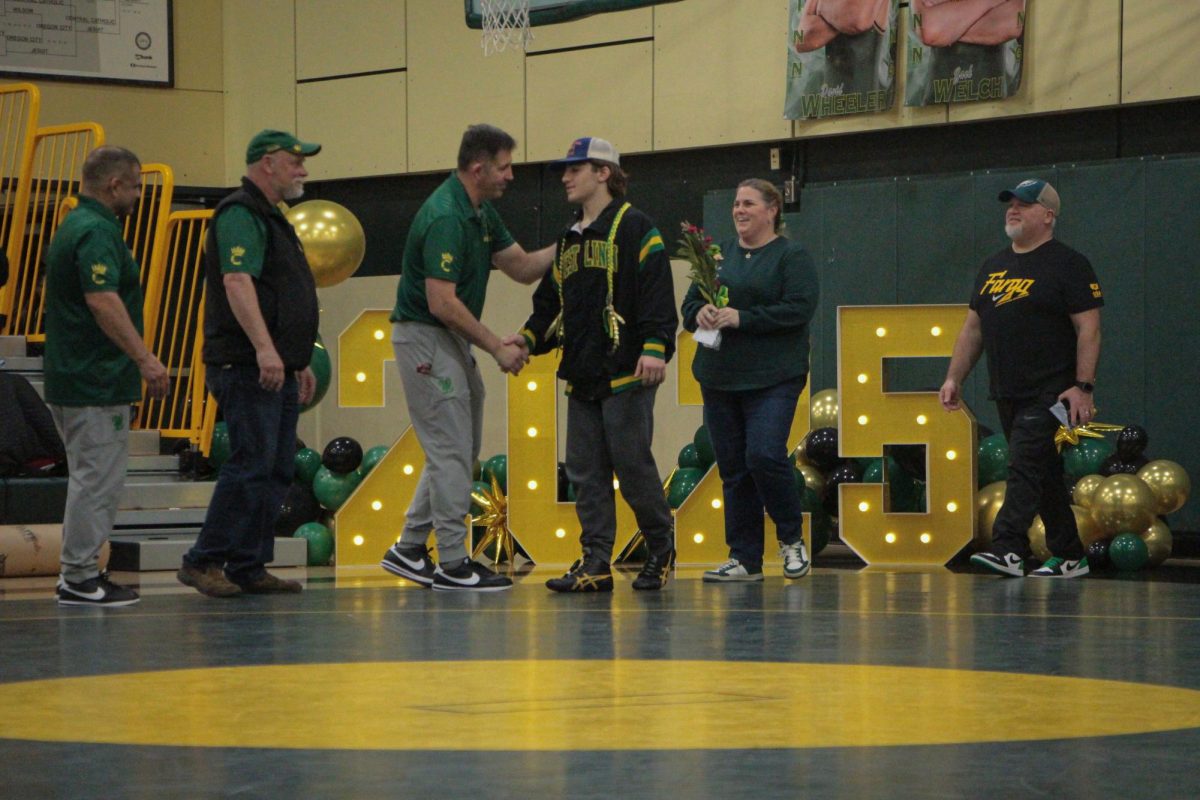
(614, 435)
(97, 444)
(444, 392)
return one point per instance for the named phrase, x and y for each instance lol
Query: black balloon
(847, 472)
(822, 448)
(1097, 554)
(1115, 464)
(910, 457)
(564, 484)
(342, 455)
(300, 445)
(1131, 442)
(298, 507)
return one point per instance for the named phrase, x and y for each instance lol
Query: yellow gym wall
(388, 86)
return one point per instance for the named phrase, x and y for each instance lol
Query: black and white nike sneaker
(410, 561)
(98, 591)
(1009, 564)
(468, 576)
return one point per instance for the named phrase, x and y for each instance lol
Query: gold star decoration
(1092, 430)
(639, 538)
(495, 519)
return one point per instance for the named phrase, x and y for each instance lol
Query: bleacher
(163, 505)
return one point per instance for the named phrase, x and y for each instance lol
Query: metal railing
(19, 106)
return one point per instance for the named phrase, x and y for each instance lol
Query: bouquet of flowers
(704, 259)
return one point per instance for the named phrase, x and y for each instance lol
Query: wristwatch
(1085, 386)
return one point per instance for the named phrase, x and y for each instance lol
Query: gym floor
(850, 683)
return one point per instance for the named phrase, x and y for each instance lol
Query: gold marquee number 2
(872, 417)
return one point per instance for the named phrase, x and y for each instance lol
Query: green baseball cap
(269, 141)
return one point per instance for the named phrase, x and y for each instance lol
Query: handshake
(512, 354)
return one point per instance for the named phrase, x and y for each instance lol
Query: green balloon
(319, 540)
(1128, 552)
(900, 483)
(704, 448)
(1086, 457)
(308, 461)
(993, 459)
(682, 484)
(571, 492)
(496, 466)
(334, 488)
(371, 458)
(689, 457)
(479, 487)
(822, 524)
(219, 451)
(322, 369)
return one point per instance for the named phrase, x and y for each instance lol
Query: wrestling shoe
(655, 572)
(468, 576)
(410, 561)
(1009, 564)
(795, 559)
(98, 591)
(1056, 567)
(588, 574)
(731, 571)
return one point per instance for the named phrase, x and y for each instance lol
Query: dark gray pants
(614, 435)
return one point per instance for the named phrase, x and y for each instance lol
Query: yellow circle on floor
(582, 705)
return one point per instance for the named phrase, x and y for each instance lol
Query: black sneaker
(469, 576)
(98, 591)
(410, 561)
(655, 572)
(1009, 564)
(588, 574)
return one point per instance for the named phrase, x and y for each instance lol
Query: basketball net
(505, 24)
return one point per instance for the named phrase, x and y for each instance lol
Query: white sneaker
(795, 559)
(732, 570)
(1057, 567)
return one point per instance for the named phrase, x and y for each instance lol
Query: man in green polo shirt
(455, 240)
(95, 363)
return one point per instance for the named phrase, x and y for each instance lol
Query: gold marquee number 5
(872, 417)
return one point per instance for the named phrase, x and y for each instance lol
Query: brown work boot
(210, 580)
(266, 583)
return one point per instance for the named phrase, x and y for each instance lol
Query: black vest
(287, 293)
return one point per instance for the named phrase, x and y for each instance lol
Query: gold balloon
(1169, 482)
(1123, 503)
(332, 237)
(823, 409)
(1085, 487)
(987, 504)
(813, 478)
(1158, 542)
(1085, 523)
(1037, 539)
(800, 456)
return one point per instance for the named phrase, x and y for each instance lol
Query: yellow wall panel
(719, 75)
(1071, 61)
(598, 29)
(569, 95)
(334, 37)
(179, 128)
(451, 85)
(360, 123)
(1159, 58)
(197, 40)
(260, 75)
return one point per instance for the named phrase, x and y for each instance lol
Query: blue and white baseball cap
(1033, 190)
(589, 148)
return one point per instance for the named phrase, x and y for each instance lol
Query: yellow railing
(19, 105)
(58, 155)
(146, 228)
(174, 328)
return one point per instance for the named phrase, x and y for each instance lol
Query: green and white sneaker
(732, 571)
(1056, 567)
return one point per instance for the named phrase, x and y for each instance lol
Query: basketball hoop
(505, 24)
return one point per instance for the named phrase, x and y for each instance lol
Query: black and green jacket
(643, 296)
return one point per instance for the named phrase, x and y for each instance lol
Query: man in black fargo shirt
(1035, 309)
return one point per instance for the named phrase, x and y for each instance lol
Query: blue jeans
(749, 431)
(239, 528)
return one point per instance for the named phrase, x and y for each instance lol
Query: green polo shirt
(452, 241)
(241, 241)
(83, 366)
